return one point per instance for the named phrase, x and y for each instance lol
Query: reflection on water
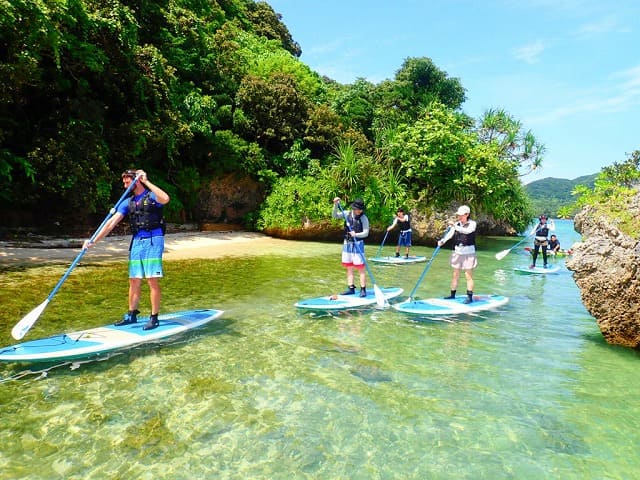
(268, 392)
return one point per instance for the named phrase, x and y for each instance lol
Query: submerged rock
(606, 268)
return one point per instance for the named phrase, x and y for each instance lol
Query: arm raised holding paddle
(356, 230)
(24, 325)
(145, 212)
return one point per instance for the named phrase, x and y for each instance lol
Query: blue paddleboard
(346, 302)
(538, 270)
(560, 253)
(453, 306)
(398, 260)
(100, 340)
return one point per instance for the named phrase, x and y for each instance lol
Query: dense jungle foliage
(192, 89)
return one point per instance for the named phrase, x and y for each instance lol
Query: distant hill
(549, 194)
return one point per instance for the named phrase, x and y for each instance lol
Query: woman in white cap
(463, 232)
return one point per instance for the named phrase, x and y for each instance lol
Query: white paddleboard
(453, 306)
(96, 341)
(347, 302)
(398, 260)
(538, 270)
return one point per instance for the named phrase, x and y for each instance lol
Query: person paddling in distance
(353, 245)
(463, 257)
(145, 212)
(554, 245)
(540, 241)
(404, 239)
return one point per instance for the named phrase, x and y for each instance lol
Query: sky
(568, 70)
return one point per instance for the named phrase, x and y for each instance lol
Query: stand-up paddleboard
(538, 270)
(398, 260)
(451, 306)
(560, 253)
(347, 302)
(101, 340)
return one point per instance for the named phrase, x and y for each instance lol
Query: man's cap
(357, 204)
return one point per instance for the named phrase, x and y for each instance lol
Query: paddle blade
(502, 254)
(380, 300)
(23, 326)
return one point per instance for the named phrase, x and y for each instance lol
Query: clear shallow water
(528, 391)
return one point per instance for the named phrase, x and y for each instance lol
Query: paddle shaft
(426, 267)
(24, 325)
(95, 234)
(424, 272)
(382, 244)
(503, 253)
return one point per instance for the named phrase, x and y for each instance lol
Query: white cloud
(631, 78)
(529, 53)
(605, 25)
(621, 95)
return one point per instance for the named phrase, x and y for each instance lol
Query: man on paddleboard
(356, 229)
(404, 239)
(145, 211)
(464, 256)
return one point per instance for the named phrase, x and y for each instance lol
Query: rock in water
(606, 268)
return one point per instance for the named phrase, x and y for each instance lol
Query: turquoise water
(528, 391)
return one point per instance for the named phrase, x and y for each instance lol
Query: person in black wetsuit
(541, 241)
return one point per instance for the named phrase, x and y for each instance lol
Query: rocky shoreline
(606, 268)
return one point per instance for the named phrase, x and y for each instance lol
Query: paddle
(380, 300)
(426, 267)
(382, 244)
(23, 326)
(504, 253)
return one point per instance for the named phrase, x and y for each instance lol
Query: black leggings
(544, 253)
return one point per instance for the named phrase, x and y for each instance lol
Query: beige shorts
(464, 262)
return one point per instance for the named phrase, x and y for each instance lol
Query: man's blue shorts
(404, 240)
(145, 257)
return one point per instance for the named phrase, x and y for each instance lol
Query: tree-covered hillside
(193, 90)
(549, 195)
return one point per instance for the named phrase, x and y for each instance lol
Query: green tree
(514, 144)
(275, 111)
(615, 185)
(268, 23)
(444, 163)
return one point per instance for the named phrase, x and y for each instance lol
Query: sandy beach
(178, 246)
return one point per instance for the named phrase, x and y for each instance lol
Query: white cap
(463, 210)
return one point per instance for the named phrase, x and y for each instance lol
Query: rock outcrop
(229, 199)
(427, 228)
(606, 268)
